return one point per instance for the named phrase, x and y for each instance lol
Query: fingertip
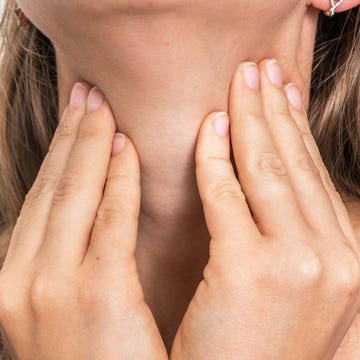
(78, 96)
(221, 123)
(213, 134)
(294, 97)
(274, 73)
(124, 150)
(118, 144)
(95, 99)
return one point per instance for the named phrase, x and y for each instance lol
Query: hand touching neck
(162, 72)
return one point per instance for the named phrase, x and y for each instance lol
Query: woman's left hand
(283, 276)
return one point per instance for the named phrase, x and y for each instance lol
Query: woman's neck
(162, 73)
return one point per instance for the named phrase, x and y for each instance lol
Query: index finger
(31, 225)
(226, 211)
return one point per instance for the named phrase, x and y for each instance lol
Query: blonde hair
(29, 107)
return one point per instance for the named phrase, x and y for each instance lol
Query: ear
(326, 4)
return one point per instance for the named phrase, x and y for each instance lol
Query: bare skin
(175, 96)
(72, 249)
(180, 75)
(73, 289)
(284, 251)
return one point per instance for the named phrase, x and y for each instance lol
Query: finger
(262, 174)
(80, 190)
(30, 229)
(310, 193)
(114, 235)
(299, 115)
(225, 208)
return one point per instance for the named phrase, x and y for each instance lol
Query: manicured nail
(78, 95)
(96, 98)
(274, 73)
(294, 97)
(221, 123)
(251, 76)
(118, 144)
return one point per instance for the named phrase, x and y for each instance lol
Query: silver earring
(334, 5)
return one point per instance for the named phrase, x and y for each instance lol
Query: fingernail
(251, 76)
(294, 97)
(96, 98)
(78, 95)
(274, 73)
(221, 123)
(118, 144)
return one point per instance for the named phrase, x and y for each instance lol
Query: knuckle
(89, 132)
(8, 302)
(253, 114)
(67, 131)
(112, 297)
(47, 184)
(309, 269)
(207, 157)
(347, 270)
(305, 162)
(283, 115)
(39, 292)
(68, 188)
(224, 188)
(113, 211)
(120, 180)
(109, 213)
(122, 187)
(47, 295)
(119, 204)
(302, 271)
(269, 165)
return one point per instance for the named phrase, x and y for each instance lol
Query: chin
(124, 6)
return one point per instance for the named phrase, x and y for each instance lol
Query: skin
(63, 286)
(178, 86)
(297, 272)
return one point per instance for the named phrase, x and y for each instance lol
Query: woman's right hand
(69, 287)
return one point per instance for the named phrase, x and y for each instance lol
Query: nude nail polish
(251, 76)
(294, 97)
(274, 73)
(221, 124)
(78, 95)
(96, 98)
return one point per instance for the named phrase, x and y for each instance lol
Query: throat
(172, 251)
